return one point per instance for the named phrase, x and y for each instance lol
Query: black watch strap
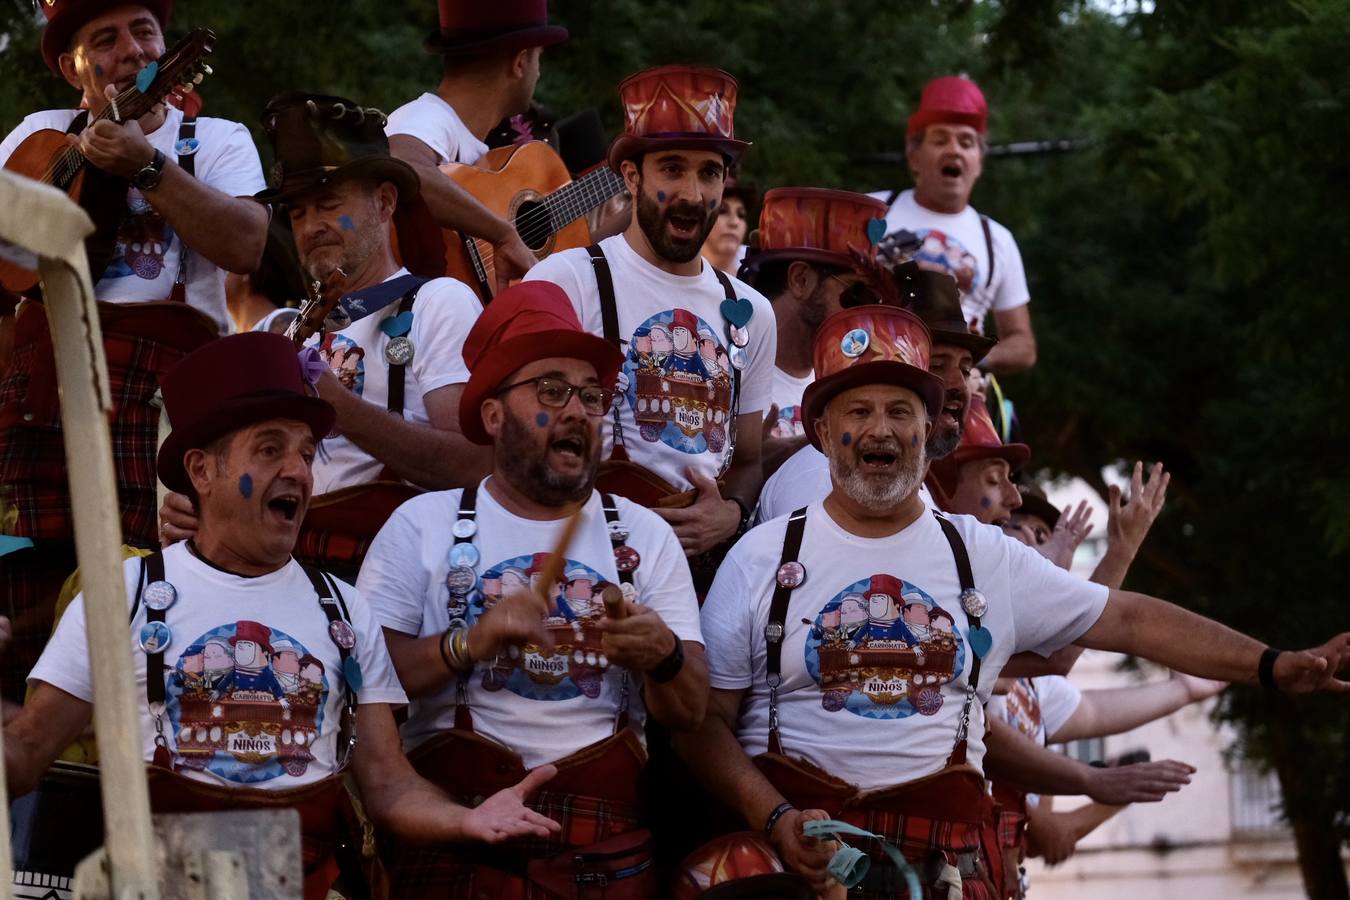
(668, 668)
(148, 177)
(1265, 669)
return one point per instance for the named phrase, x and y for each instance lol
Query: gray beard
(529, 472)
(940, 446)
(873, 493)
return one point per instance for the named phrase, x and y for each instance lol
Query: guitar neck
(576, 198)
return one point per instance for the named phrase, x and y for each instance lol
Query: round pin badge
(854, 344)
(629, 591)
(626, 559)
(461, 580)
(399, 351)
(351, 673)
(980, 641)
(342, 634)
(464, 555)
(154, 637)
(973, 602)
(740, 337)
(740, 358)
(186, 146)
(618, 531)
(791, 574)
(464, 528)
(159, 595)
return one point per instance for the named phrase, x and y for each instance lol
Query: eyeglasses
(556, 392)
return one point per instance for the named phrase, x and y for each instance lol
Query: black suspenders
(152, 570)
(397, 371)
(989, 248)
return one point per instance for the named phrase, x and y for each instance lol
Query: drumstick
(553, 566)
(612, 597)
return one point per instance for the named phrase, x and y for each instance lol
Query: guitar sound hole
(534, 224)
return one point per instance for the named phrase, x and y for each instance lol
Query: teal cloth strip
(849, 866)
(9, 543)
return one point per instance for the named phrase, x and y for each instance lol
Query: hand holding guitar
(118, 149)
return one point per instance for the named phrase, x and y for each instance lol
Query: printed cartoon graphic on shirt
(347, 360)
(944, 253)
(1024, 708)
(143, 240)
(246, 703)
(882, 648)
(677, 379)
(789, 422)
(576, 664)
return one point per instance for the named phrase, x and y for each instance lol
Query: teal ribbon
(849, 865)
(9, 543)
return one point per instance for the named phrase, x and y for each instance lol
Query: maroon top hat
(677, 108)
(818, 225)
(256, 632)
(479, 26)
(950, 100)
(229, 384)
(65, 17)
(528, 321)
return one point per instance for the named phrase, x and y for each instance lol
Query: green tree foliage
(1186, 268)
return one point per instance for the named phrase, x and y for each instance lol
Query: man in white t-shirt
(513, 660)
(171, 234)
(394, 343)
(945, 146)
(845, 717)
(802, 262)
(699, 345)
(211, 618)
(490, 63)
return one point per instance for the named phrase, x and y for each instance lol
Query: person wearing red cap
(976, 479)
(242, 448)
(490, 63)
(508, 678)
(185, 220)
(687, 447)
(809, 719)
(945, 145)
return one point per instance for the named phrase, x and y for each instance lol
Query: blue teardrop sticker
(146, 77)
(737, 312)
(399, 325)
(980, 641)
(876, 230)
(186, 146)
(351, 672)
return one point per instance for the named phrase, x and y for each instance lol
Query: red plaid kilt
(947, 813)
(593, 796)
(340, 525)
(1010, 827)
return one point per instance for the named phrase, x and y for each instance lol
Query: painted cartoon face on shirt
(674, 382)
(942, 252)
(143, 240)
(346, 359)
(242, 711)
(874, 652)
(576, 665)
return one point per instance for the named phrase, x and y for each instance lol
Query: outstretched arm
(1054, 836)
(1112, 711)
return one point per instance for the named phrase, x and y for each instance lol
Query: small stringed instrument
(529, 186)
(48, 157)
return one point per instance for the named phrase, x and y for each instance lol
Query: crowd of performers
(633, 578)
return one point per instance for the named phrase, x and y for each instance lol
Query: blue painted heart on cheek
(246, 485)
(541, 419)
(737, 312)
(981, 641)
(846, 439)
(399, 325)
(876, 230)
(146, 77)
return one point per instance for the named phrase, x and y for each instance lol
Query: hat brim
(510, 356)
(979, 345)
(805, 254)
(1039, 507)
(442, 44)
(627, 146)
(380, 168)
(318, 414)
(1015, 455)
(821, 391)
(58, 32)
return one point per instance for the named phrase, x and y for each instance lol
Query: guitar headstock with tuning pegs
(176, 73)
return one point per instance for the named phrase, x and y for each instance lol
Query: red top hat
(683, 318)
(950, 100)
(228, 384)
(871, 344)
(735, 866)
(258, 633)
(885, 584)
(980, 440)
(677, 107)
(528, 321)
(537, 563)
(65, 17)
(479, 26)
(817, 225)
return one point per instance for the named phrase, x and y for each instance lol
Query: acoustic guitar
(47, 156)
(529, 186)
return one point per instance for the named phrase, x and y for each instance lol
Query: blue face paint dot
(984, 503)
(713, 204)
(98, 70)
(541, 419)
(346, 222)
(846, 439)
(914, 441)
(660, 196)
(246, 485)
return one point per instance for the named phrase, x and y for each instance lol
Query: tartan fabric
(1010, 826)
(916, 837)
(334, 552)
(30, 581)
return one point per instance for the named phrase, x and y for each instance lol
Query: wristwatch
(669, 667)
(147, 179)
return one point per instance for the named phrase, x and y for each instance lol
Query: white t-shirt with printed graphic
(787, 395)
(435, 123)
(442, 314)
(145, 262)
(876, 653)
(254, 685)
(542, 704)
(1037, 707)
(956, 244)
(675, 389)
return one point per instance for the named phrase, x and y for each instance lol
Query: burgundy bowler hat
(934, 297)
(528, 321)
(231, 383)
(479, 26)
(65, 17)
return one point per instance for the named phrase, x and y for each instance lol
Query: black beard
(652, 219)
(940, 445)
(527, 469)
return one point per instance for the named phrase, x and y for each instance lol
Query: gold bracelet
(457, 640)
